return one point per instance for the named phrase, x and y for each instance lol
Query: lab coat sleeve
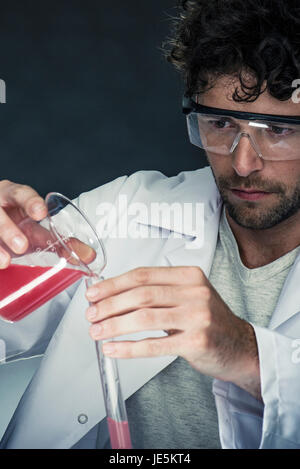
(280, 388)
(244, 422)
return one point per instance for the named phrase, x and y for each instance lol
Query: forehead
(221, 96)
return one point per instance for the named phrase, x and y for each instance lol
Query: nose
(245, 158)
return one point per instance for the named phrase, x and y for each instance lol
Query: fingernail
(38, 207)
(91, 313)
(92, 293)
(96, 331)
(19, 242)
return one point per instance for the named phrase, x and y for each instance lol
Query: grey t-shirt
(176, 408)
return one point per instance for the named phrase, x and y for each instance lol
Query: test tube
(116, 414)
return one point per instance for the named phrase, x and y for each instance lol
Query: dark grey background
(90, 96)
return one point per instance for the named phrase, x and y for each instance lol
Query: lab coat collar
(197, 241)
(195, 187)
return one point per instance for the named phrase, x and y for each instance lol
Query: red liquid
(17, 276)
(119, 434)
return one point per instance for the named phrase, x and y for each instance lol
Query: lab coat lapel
(194, 234)
(202, 256)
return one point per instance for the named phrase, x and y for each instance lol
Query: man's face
(277, 183)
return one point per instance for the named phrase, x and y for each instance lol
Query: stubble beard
(253, 215)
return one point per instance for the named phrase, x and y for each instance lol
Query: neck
(261, 247)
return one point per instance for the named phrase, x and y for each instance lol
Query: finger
(138, 298)
(33, 235)
(153, 347)
(183, 275)
(191, 298)
(140, 320)
(11, 236)
(84, 252)
(71, 249)
(20, 200)
(24, 197)
(4, 259)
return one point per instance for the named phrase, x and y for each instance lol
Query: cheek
(284, 172)
(220, 164)
(294, 172)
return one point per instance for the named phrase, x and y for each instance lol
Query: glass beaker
(62, 248)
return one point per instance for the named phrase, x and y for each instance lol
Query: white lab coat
(66, 384)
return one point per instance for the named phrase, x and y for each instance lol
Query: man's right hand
(17, 202)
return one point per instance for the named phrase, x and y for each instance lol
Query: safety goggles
(273, 137)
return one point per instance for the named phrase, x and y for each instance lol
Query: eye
(220, 123)
(275, 130)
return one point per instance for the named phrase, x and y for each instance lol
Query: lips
(249, 194)
(249, 191)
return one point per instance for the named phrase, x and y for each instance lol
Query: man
(230, 308)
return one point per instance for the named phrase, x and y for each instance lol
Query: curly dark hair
(214, 38)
